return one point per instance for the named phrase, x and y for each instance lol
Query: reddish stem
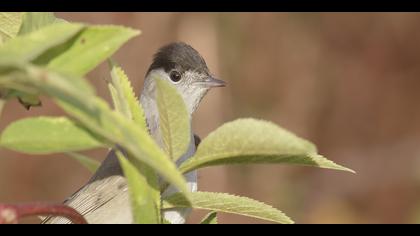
(11, 213)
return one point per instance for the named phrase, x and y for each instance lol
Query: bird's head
(182, 66)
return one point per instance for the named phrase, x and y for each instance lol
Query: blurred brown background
(348, 82)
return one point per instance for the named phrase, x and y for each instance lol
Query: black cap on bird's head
(179, 58)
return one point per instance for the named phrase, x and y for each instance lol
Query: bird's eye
(175, 76)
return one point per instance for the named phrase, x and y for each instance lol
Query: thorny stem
(11, 213)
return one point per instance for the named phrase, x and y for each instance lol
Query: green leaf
(16, 82)
(174, 120)
(115, 98)
(124, 132)
(255, 141)
(9, 25)
(119, 97)
(44, 135)
(91, 47)
(64, 47)
(124, 97)
(223, 202)
(30, 46)
(210, 218)
(125, 102)
(94, 114)
(67, 47)
(89, 163)
(33, 21)
(144, 204)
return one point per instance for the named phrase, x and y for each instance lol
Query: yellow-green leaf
(28, 47)
(91, 47)
(33, 21)
(10, 23)
(124, 97)
(70, 48)
(255, 141)
(43, 135)
(114, 97)
(223, 202)
(174, 120)
(144, 203)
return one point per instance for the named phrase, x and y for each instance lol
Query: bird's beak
(213, 82)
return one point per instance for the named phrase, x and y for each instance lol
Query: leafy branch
(43, 55)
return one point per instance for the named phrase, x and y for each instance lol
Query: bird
(104, 199)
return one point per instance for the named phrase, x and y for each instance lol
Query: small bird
(105, 198)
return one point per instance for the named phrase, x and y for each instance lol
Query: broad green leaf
(223, 202)
(174, 120)
(89, 163)
(210, 218)
(92, 46)
(33, 21)
(255, 141)
(124, 97)
(9, 25)
(30, 46)
(44, 135)
(96, 115)
(144, 204)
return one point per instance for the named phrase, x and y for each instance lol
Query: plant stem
(11, 213)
